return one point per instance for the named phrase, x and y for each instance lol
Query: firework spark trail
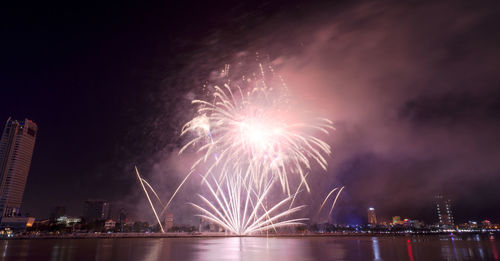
(298, 190)
(256, 142)
(334, 201)
(152, 190)
(142, 181)
(149, 199)
(326, 198)
(175, 192)
(254, 138)
(226, 210)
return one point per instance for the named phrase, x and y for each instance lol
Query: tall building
(372, 218)
(122, 218)
(16, 150)
(169, 221)
(95, 210)
(445, 215)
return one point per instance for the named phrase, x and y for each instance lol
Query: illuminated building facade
(396, 220)
(16, 149)
(109, 224)
(169, 221)
(445, 215)
(68, 221)
(372, 218)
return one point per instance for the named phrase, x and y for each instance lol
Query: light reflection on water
(376, 249)
(385, 248)
(250, 248)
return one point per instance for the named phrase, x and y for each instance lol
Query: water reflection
(410, 251)
(385, 248)
(158, 249)
(5, 246)
(249, 248)
(453, 247)
(61, 250)
(494, 248)
(55, 253)
(474, 247)
(104, 250)
(376, 249)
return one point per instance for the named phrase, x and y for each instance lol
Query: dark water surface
(471, 247)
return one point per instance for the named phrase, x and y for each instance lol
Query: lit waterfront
(463, 247)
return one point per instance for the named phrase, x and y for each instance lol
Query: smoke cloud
(412, 89)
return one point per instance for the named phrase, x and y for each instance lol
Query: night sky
(413, 89)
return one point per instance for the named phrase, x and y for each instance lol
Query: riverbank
(223, 234)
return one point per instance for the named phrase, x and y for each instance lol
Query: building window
(31, 132)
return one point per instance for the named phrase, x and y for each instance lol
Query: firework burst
(250, 139)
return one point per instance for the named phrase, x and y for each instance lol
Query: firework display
(250, 140)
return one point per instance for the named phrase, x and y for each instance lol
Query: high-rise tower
(16, 149)
(443, 207)
(95, 210)
(372, 218)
